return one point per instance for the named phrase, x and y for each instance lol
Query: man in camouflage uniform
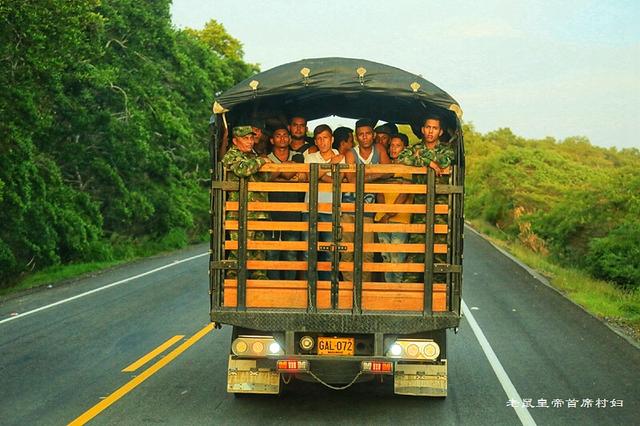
(438, 156)
(242, 161)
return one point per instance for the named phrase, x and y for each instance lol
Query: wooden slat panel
(265, 225)
(287, 294)
(266, 206)
(286, 187)
(284, 265)
(401, 297)
(302, 246)
(375, 296)
(409, 188)
(369, 168)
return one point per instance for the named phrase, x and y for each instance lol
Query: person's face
(244, 143)
(324, 141)
(346, 145)
(365, 136)
(396, 146)
(431, 130)
(280, 138)
(382, 139)
(257, 131)
(298, 127)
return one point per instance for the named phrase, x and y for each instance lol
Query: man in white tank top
(367, 152)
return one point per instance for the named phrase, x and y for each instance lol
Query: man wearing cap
(383, 134)
(438, 156)
(367, 152)
(242, 161)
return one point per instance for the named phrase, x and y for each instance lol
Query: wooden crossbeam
(270, 206)
(375, 296)
(265, 225)
(302, 246)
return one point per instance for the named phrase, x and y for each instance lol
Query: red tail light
(377, 367)
(292, 365)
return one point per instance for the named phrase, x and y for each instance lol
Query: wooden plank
(409, 188)
(284, 265)
(287, 294)
(302, 246)
(375, 296)
(272, 225)
(267, 206)
(369, 168)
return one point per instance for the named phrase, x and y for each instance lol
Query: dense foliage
(103, 137)
(577, 203)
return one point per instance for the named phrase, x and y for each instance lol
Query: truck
(337, 332)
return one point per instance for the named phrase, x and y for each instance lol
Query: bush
(616, 257)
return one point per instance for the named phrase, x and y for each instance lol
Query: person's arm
(349, 158)
(444, 155)
(222, 149)
(242, 165)
(384, 159)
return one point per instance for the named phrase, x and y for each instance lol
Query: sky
(541, 68)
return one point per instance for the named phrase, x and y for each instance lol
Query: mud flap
(421, 379)
(243, 376)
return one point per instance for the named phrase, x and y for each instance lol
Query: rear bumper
(337, 321)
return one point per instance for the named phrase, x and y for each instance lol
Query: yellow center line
(154, 353)
(127, 387)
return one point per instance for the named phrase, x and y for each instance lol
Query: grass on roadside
(58, 273)
(123, 250)
(601, 298)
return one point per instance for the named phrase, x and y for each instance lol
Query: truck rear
(321, 326)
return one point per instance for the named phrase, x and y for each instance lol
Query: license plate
(336, 345)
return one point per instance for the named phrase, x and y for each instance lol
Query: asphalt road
(59, 362)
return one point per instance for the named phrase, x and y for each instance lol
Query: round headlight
(274, 348)
(395, 349)
(431, 350)
(257, 347)
(240, 347)
(307, 342)
(413, 350)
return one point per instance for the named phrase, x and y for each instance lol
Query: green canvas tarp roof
(321, 87)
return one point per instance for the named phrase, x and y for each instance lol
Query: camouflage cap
(240, 131)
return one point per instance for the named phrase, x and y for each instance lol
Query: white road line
(95, 290)
(512, 393)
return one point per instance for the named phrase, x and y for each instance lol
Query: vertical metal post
(216, 212)
(429, 241)
(242, 244)
(217, 238)
(453, 247)
(358, 237)
(312, 248)
(335, 234)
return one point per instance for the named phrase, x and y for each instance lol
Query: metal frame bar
(242, 244)
(335, 234)
(336, 321)
(217, 238)
(429, 241)
(312, 249)
(358, 239)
